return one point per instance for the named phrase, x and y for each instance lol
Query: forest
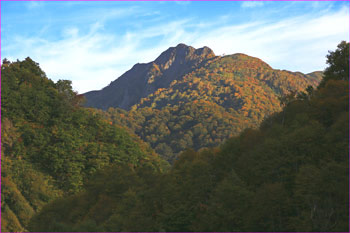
(216, 100)
(51, 145)
(65, 167)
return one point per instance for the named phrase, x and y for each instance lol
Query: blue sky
(93, 43)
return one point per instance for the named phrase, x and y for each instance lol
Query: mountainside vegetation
(144, 79)
(50, 145)
(290, 174)
(69, 168)
(203, 106)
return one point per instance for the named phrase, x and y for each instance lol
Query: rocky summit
(144, 79)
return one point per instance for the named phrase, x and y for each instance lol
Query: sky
(93, 43)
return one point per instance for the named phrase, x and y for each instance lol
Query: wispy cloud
(183, 2)
(251, 4)
(34, 4)
(94, 57)
(298, 43)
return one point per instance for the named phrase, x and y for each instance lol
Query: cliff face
(144, 79)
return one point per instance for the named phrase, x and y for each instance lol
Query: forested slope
(50, 145)
(291, 174)
(217, 99)
(145, 78)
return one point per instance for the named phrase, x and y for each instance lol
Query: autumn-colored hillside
(216, 99)
(289, 175)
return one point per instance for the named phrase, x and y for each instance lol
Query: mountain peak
(182, 45)
(177, 62)
(182, 53)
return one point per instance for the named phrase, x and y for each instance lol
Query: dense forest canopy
(212, 99)
(51, 145)
(290, 173)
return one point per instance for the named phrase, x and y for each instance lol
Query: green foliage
(338, 62)
(51, 145)
(282, 177)
(291, 174)
(217, 100)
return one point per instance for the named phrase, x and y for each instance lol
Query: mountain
(190, 98)
(173, 65)
(289, 175)
(145, 79)
(50, 145)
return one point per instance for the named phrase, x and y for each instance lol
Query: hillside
(50, 145)
(186, 64)
(144, 79)
(209, 99)
(290, 175)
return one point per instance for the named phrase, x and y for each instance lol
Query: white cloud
(299, 43)
(183, 2)
(94, 59)
(34, 4)
(251, 4)
(70, 32)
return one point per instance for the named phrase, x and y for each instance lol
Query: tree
(65, 88)
(285, 100)
(5, 62)
(227, 208)
(338, 61)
